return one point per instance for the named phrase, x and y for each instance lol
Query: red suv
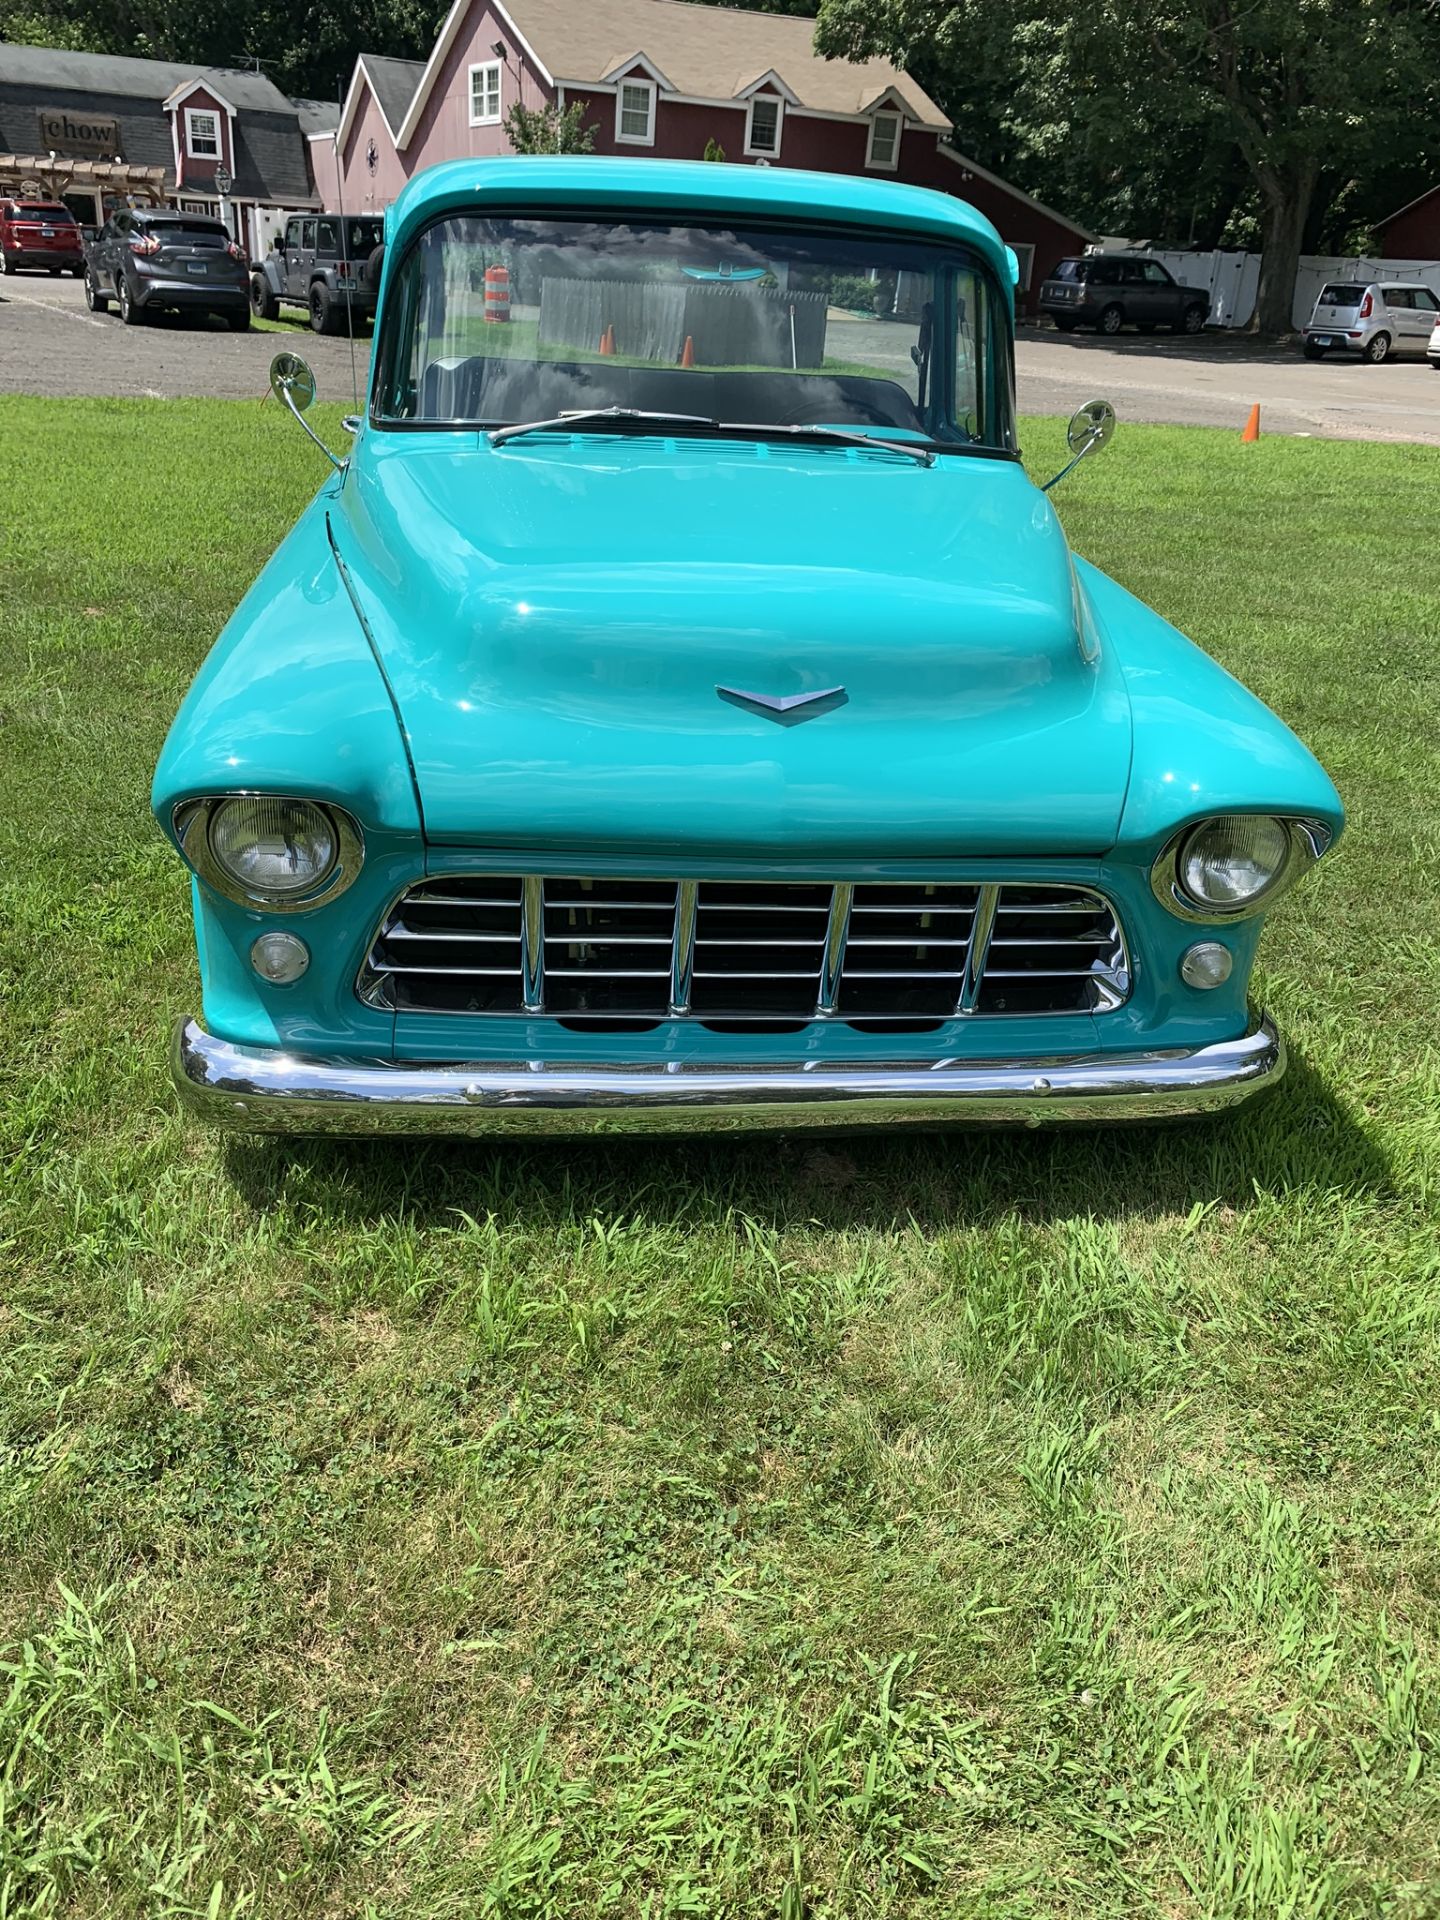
(41, 234)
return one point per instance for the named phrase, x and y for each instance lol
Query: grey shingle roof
(316, 116)
(269, 148)
(120, 74)
(394, 83)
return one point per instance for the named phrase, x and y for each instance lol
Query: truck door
(294, 283)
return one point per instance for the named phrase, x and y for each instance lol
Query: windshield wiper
(626, 416)
(604, 415)
(840, 434)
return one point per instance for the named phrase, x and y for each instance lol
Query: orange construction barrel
(497, 293)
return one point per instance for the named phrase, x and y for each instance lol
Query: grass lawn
(967, 1526)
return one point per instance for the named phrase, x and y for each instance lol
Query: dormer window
(762, 127)
(635, 112)
(883, 150)
(202, 133)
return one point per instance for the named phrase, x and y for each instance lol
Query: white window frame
(192, 114)
(753, 152)
(898, 119)
(487, 69)
(646, 139)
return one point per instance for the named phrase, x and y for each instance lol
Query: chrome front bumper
(264, 1090)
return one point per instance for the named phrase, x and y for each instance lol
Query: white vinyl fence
(1233, 279)
(1314, 272)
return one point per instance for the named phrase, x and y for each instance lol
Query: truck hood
(555, 617)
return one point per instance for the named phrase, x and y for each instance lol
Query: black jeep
(319, 264)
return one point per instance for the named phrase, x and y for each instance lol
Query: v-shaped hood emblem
(788, 707)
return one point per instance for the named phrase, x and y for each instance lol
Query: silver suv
(1374, 319)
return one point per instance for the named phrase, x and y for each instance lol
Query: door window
(307, 236)
(1425, 300)
(1155, 275)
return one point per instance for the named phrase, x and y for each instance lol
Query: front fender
(291, 700)
(1203, 743)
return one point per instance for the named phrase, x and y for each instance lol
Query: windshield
(1340, 296)
(189, 233)
(52, 216)
(492, 322)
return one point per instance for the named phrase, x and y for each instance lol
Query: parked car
(1432, 352)
(655, 723)
(151, 259)
(319, 264)
(1375, 319)
(1109, 291)
(40, 234)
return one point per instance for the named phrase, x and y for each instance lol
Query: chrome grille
(746, 953)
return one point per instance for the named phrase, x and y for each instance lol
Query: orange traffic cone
(687, 352)
(1252, 426)
(607, 341)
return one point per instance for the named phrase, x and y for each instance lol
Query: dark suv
(320, 265)
(149, 259)
(1108, 291)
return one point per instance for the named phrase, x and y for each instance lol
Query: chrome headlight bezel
(1306, 840)
(192, 821)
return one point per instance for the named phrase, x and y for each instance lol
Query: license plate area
(195, 266)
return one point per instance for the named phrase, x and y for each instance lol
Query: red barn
(1413, 233)
(667, 78)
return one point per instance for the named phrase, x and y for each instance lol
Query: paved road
(49, 344)
(1214, 380)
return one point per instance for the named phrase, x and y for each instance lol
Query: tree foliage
(1201, 118)
(550, 129)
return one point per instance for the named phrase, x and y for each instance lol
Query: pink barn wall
(445, 132)
(365, 192)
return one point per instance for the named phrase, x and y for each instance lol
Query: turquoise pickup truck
(680, 711)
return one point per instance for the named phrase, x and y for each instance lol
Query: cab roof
(580, 183)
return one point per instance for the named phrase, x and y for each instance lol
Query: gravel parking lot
(50, 344)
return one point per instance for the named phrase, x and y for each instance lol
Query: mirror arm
(338, 464)
(1070, 465)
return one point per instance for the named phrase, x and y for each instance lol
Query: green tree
(713, 150)
(550, 129)
(1283, 102)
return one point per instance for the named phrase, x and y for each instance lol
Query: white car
(1432, 352)
(1377, 319)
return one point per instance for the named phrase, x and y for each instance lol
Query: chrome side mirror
(1090, 427)
(293, 385)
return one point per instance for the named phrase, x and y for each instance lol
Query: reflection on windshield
(494, 322)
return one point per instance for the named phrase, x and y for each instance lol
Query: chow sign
(65, 131)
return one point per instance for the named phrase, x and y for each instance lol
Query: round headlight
(1230, 862)
(273, 846)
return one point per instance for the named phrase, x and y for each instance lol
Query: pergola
(37, 176)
